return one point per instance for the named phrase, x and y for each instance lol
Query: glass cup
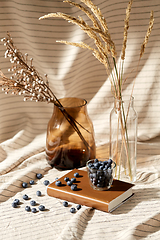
(100, 173)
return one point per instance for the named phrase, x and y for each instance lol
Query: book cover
(85, 195)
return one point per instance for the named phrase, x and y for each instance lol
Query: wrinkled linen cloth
(74, 72)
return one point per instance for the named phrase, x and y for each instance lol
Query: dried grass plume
(105, 49)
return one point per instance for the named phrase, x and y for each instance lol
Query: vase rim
(82, 102)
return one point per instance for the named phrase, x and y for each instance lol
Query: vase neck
(125, 102)
(71, 104)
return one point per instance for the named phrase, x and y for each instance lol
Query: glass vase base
(122, 175)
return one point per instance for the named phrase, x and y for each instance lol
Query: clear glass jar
(123, 138)
(101, 176)
(65, 147)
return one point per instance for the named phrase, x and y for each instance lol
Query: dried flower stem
(25, 80)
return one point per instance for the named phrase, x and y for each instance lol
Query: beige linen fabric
(75, 72)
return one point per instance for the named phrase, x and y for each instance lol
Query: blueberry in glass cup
(100, 173)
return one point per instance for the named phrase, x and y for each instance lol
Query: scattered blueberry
(25, 197)
(46, 182)
(33, 203)
(16, 201)
(78, 206)
(73, 180)
(65, 204)
(56, 178)
(14, 205)
(39, 175)
(41, 207)
(69, 183)
(24, 185)
(66, 179)
(72, 210)
(38, 193)
(27, 208)
(74, 187)
(31, 182)
(58, 183)
(34, 210)
(76, 174)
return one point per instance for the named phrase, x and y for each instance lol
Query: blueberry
(101, 178)
(41, 207)
(39, 175)
(14, 205)
(58, 183)
(56, 178)
(78, 206)
(94, 175)
(16, 201)
(46, 182)
(101, 167)
(99, 173)
(65, 204)
(31, 182)
(105, 162)
(24, 185)
(93, 167)
(38, 193)
(69, 183)
(96, 165)
(91, 175)
(25, 197)
(72, 210)
(105, 168)
(76, 174)
(109, 162)
(99, 185)
(34, 210)
(74, 187)
(73, 180)
(94, 181)
(66, 179)
(96, 160)
(33, 203)
(27, 208)
(90, 165)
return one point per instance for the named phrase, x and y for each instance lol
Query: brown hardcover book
(85, 195)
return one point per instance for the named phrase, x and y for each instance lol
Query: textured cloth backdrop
(74, 72)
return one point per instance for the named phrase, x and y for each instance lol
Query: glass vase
(123, 138)
(70, 140)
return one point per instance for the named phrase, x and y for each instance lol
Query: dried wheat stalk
(147, 34)
(105, 50)
(126, 27)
